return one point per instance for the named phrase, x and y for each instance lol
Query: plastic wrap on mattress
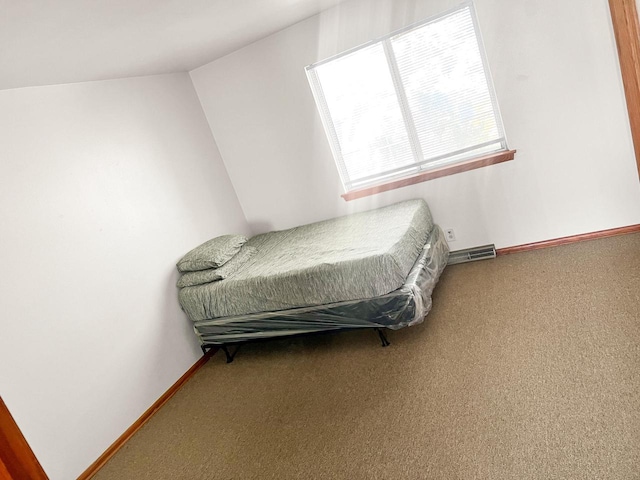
(403, 307)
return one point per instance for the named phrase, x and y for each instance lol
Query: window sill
(479, 162)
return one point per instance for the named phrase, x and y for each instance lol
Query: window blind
(413, 100)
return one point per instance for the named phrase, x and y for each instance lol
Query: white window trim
(420, 163)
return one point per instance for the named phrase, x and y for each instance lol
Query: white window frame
(420, 164)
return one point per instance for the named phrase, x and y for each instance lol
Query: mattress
(400, 308)
(358, 256)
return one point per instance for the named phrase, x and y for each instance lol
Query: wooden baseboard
(566, 240)
(144, 418)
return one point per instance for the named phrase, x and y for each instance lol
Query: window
(411, 102)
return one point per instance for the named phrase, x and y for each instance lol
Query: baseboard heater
(472, 254)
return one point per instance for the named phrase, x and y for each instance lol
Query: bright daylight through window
(418, 99)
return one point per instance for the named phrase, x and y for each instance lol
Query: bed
(372, 270)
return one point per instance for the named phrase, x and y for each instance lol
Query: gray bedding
(403, 307)
(354, 257)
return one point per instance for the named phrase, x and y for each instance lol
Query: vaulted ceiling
(62, 41)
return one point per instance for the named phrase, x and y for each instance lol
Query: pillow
(212, 254)
(189, 279)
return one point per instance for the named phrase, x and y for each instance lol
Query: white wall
(104, 186)
(556, 73)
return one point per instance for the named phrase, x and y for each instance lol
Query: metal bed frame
(211, 348)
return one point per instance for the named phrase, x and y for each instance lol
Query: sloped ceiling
(45, 42)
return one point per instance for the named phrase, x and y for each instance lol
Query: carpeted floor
(528, 367)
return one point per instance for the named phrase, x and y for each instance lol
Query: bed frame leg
(230, 356)
(383, 338)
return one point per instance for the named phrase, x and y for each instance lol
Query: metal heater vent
(472, 254)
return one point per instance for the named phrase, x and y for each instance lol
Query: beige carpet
(528, 367)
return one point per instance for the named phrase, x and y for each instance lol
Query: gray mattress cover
(358, 256)
(403, 307)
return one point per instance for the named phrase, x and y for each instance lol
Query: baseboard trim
(571, 239)
(144, 418)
